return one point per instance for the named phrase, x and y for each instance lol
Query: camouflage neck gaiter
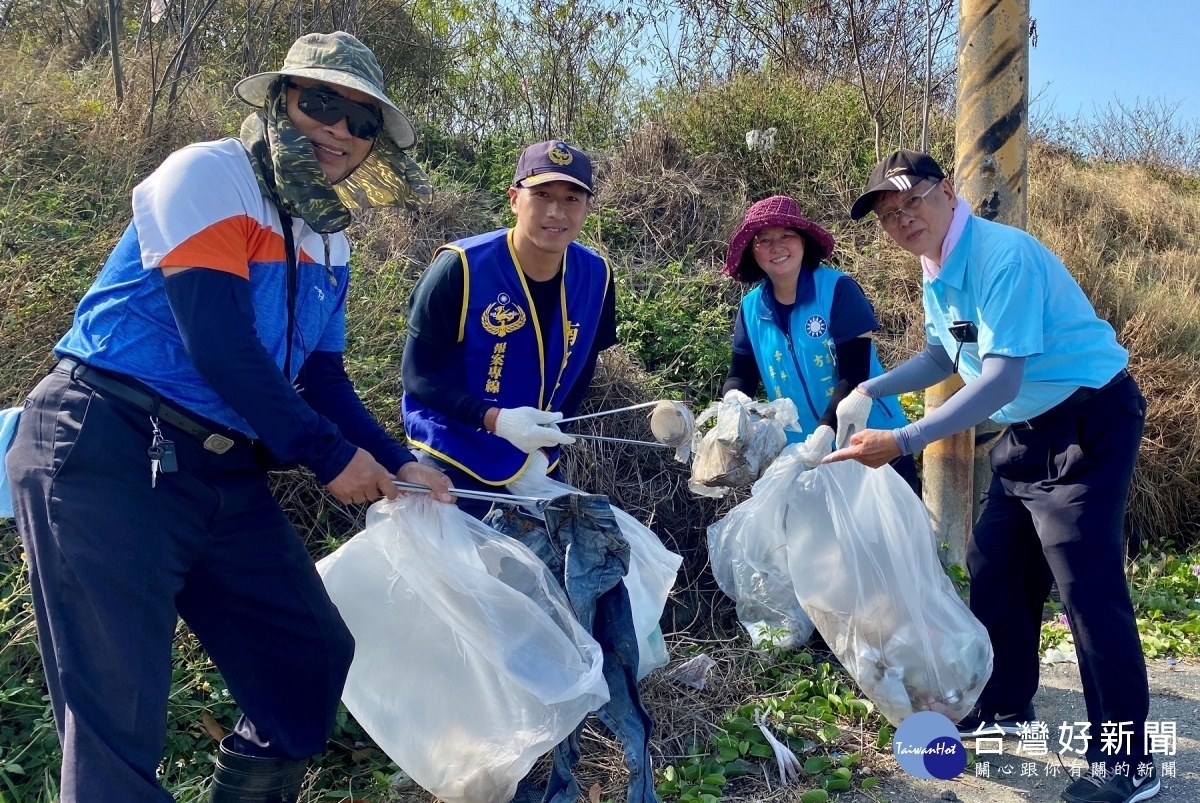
(286, 168)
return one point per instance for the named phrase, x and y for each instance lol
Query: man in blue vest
(1035, 356)
(504, 329)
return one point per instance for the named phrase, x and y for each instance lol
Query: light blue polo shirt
(1024, 303)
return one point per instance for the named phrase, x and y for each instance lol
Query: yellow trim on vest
(566, 327)
(445, 458)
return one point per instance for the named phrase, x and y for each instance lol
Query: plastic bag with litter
(745, 437)
(748, 552)
(469, 663)
(652, 570)
(864, 564)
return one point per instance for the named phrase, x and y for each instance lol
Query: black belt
(1078, 397)
(151, 403)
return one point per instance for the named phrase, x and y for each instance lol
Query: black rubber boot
(240, 778)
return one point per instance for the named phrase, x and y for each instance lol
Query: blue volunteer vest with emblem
(507, 363)
(803, 367)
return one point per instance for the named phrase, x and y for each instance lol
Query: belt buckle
(218, 444)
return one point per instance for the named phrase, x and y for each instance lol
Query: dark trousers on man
(1054, 512)
(113, 563)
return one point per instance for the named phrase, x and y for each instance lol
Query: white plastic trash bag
(864, 565)
(468, 662)
(745, 437)
(748, 552)
(652, 570)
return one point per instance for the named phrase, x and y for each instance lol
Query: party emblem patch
(503, 316)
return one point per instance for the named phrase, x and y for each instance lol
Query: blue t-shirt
(1024, 303)
(202, 208)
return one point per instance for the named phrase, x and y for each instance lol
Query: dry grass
(1132, 239)
(663, 203)
(649, 484)
(684, 718)
(68, 160)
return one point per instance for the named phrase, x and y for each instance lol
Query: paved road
(1175, 697)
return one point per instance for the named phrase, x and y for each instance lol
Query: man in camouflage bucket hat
(208, 349)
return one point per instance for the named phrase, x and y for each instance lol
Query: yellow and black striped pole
(991, 172)
(992, 109)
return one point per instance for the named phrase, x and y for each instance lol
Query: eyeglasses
(908, 206)
(329, 108)
(764, 243)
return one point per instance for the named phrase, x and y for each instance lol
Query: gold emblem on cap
(895, 171)
(502, 317)
(560, 155)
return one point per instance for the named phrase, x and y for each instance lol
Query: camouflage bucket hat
(334, 58)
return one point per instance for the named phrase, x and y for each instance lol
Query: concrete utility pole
(991, 171)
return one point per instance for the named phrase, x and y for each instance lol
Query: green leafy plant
(677, 320)
(805, 704)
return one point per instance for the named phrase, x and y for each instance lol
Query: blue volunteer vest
(508, 363)
(803, 366)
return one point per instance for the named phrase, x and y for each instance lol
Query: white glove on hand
(817, 446)
(736, 395)
(852, 414)
(537, 466)
(523, 428)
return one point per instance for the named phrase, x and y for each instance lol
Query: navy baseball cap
(899, 172)
(553, 160)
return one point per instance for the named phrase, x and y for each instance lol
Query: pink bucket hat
(778, 210)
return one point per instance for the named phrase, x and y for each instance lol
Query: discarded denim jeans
(581, 542)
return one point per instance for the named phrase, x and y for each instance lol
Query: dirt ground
(1175, 697)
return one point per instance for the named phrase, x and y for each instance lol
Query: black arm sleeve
(431, 370)
(743, 367)
(854, 366)
(324, 385)
(433, 376)
(215, 316)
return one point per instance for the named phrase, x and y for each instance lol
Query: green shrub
(824, 141)
(677, 319)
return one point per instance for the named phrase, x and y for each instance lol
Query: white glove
(523, 428)
(736, 395)
(852, 414)
(537, 466)
(817, 446)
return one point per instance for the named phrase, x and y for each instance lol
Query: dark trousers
(1054, 512)
(113, 563)
(906, 467)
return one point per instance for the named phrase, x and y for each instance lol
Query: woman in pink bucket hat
(805, 330)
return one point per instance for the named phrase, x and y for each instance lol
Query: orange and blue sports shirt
(202, 208)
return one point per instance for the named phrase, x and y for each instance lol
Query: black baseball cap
(553, 160)
(899, 172)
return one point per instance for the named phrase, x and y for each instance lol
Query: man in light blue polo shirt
(1003, 311)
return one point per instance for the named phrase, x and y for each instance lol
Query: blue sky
(1092, 51)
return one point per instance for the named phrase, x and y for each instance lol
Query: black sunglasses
(329, 108)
